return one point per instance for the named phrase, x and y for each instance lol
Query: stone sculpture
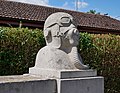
(58, 67)
(62, 38)
(60, 53)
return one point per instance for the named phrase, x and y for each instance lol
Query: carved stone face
(61, 31)
(71, 35)
(61, 53)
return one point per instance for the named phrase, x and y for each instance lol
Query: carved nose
(76, 31)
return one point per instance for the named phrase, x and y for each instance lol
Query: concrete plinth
(30, 84)
(26, 84)
(61, 74)
(81, 85)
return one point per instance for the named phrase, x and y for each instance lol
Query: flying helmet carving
(60, 19)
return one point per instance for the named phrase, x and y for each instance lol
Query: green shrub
(103, 53)
(19, 46)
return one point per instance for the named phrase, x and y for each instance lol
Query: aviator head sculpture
(62, 37)
(59, 29)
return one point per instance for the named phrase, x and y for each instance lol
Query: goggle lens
(65, 20)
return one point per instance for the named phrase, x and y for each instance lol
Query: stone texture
(63, 74)
(60, 53)
(31, 84)
(26, 84)
(81, 85)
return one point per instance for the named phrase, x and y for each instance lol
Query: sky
(110, 7)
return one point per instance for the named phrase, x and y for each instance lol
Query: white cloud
(72, 5)
(65, 4)
(118, 17)
(36, 2)
(81, 4)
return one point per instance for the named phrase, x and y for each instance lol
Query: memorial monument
(58, 67)
(60, 60)
(60, 53)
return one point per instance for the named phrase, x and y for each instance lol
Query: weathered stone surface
(81, 85)
(26, 84)
(30, 84)
(60, 53)
(60, 59)
(62, 74)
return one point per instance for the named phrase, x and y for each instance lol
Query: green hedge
(102, 52)
(19, 46)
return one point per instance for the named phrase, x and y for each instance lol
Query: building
(14, 13)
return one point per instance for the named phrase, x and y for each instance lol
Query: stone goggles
(64, 21)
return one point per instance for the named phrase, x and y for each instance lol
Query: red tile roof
(17, 10)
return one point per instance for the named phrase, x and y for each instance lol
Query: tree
(93, 12)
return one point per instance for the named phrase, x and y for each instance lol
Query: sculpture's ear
(47, 35)
(54, 41)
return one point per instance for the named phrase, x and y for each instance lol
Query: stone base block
(26, 84)
(61, 74)
(81, 85)
(30, 84)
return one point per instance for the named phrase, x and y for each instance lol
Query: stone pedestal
(81, 85)
(26, 84)
(61, 74)
(35, 84)
(72, 81)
